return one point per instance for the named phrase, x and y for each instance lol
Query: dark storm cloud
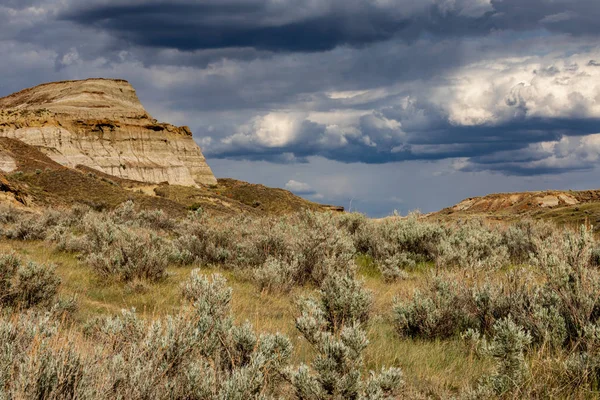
(192, 26)
(288, 26)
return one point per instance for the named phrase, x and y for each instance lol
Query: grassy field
(434, 367)
(463, 310)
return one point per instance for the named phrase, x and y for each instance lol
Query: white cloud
(299, 187)
(547, 87)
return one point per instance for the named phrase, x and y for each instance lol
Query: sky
(375, 105)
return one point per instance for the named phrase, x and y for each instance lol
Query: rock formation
(101, 124)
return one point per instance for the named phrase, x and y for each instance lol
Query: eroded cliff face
(100, 123)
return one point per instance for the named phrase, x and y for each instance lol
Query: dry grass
(430, 367)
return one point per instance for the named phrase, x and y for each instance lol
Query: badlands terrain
(92, 142)
(128, 271)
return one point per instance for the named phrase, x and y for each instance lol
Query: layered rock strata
(101, 124)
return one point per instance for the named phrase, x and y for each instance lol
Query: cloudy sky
(374, 104)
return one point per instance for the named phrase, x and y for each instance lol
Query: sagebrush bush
(572, 283)
(276, 275)
(332, 325)
(8, 214)
(440, 312)
(411, 237)
(28, 226)
(472, 245)
(35, 285)
(199, 353)
(33, 363)
(311, 244)
(507, 347)
(394, 268)
(512, 291)
(523, 237)
(26, 285)
(344, 301)
(131, 255)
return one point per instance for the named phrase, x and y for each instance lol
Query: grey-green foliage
(352, 221)
(123, 244)
(52, 372)
(8, 214)
(276, 275)
(126, 214)
(554, 302)
(438, 313)
(507, 347)
(472, 244)
(116, 251)
(28, 226)
(449, 307)
(582, 367)
(199, 353)
(249, 363)
(572, 285)
(409, 238)
(344, 301)
(26, 285)
(332, 325)
(132, 255)
(36, 363)
(522, 239)
(305, 247)
(394, 268)
(322, 248)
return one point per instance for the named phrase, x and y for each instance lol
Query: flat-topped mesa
(100, 123)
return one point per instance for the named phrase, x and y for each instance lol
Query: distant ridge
(573, 207)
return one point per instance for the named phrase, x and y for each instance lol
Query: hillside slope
(37, 181)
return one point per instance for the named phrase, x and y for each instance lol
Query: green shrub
(344, 301)
(36, 285)
(33, 227)
(394, 268)
(415, 238)
(522, 239)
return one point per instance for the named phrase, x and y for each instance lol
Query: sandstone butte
(101, 124)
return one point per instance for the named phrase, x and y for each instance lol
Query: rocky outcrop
(101, 124)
